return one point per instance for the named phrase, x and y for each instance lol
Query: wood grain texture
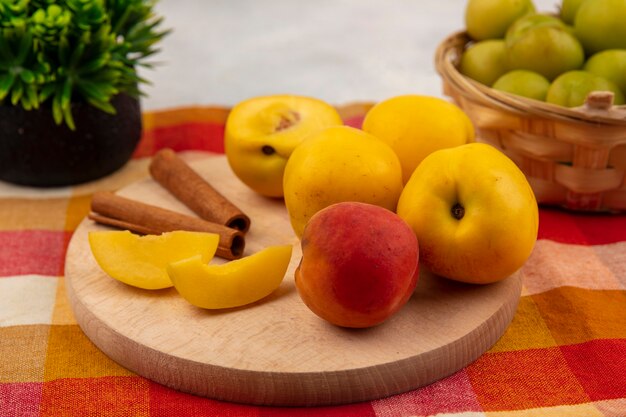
(276, 351)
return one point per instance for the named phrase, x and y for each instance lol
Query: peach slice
(140, 261)
(233, 284)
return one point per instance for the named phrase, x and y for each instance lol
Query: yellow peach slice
(233, 284)
(140, 261)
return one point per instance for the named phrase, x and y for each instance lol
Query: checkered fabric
(564, 353)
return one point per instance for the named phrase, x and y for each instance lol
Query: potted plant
(69, 88)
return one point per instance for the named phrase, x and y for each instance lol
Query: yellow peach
(415, 126)
(473, 212)
(262, 132)
(340, 164)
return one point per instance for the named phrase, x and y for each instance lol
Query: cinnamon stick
(169, 170)
(113, 210)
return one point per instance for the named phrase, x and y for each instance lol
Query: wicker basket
(573, 158)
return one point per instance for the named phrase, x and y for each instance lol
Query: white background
(223, 51)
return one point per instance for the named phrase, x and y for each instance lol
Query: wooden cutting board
(276, 351)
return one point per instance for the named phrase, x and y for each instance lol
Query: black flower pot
(35, 151)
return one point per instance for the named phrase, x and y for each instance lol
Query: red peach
(359, 264)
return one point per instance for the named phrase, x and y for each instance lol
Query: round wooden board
(276, 351)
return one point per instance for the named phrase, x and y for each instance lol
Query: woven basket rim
(447, 58)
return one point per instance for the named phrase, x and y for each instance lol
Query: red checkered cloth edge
(564, 353)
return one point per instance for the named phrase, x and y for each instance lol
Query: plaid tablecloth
(564, 354)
